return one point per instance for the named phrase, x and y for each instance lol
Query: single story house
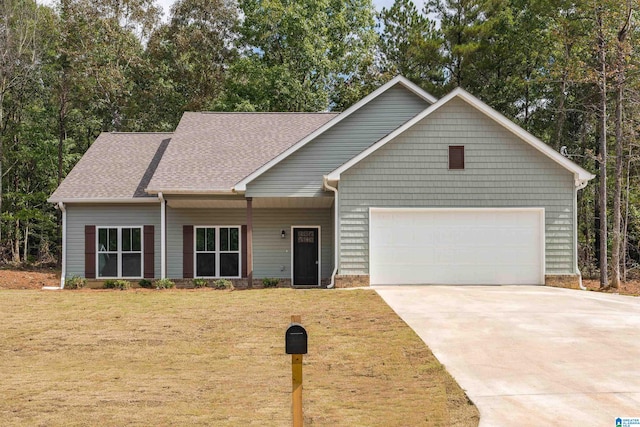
(401, 188)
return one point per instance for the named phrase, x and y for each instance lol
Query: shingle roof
(211, 152)
(208, 152)
(116, 166)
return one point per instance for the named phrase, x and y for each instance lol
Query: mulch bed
(36, 279)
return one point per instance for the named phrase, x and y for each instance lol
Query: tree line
(565, 70)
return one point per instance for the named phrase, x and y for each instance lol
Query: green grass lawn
(204, 357)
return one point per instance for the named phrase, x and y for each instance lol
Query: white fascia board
(106, 200)
(242, 185)
(580, 174)
(181, 191)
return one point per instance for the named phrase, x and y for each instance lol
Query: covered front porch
(246, 239)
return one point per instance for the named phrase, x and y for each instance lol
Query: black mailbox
(295, 339)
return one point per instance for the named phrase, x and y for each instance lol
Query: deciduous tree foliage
(298, 55)
(186, 61)
(18, 68)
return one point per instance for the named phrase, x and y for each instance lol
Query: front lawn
(206, 357)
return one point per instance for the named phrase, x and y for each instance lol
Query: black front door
(305, 256)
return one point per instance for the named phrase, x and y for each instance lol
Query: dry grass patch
(215, 358)
(631, 287)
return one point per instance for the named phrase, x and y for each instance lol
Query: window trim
(217, 252)
(463, 157)
(119, 251)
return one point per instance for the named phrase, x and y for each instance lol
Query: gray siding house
(401, 188)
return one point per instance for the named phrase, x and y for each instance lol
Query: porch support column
(163, 236)
(250, 242)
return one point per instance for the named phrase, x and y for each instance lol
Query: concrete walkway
(531, 355)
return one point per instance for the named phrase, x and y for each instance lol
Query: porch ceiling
(258, 203)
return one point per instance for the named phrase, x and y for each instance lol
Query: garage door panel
(459, 246)
(465, 275)
(403, 255)
(479, 235)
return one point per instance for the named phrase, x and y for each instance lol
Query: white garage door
(456, 246)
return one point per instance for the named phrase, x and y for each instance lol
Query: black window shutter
(187, 251)
(149, 261)
(90, 251)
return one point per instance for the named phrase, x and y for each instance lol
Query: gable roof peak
(241, 186)
(400, 79)
(581, 175)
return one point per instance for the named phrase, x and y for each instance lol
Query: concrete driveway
(531, 355)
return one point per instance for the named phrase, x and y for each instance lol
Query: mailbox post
(296, 345)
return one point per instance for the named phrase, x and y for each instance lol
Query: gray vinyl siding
(301, 173)
(105, 215)
(500, 171)
(270, 251)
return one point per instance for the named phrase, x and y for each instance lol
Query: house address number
(305, 237)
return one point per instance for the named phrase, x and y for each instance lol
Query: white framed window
(217, 252)
(119, 252)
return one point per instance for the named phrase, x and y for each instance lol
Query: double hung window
(119, 252)
(217, 252)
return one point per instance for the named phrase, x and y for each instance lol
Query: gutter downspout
(335, 233)
(575, 231)
(163, 237)
(63, 209)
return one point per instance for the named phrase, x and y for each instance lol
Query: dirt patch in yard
(28, 279)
